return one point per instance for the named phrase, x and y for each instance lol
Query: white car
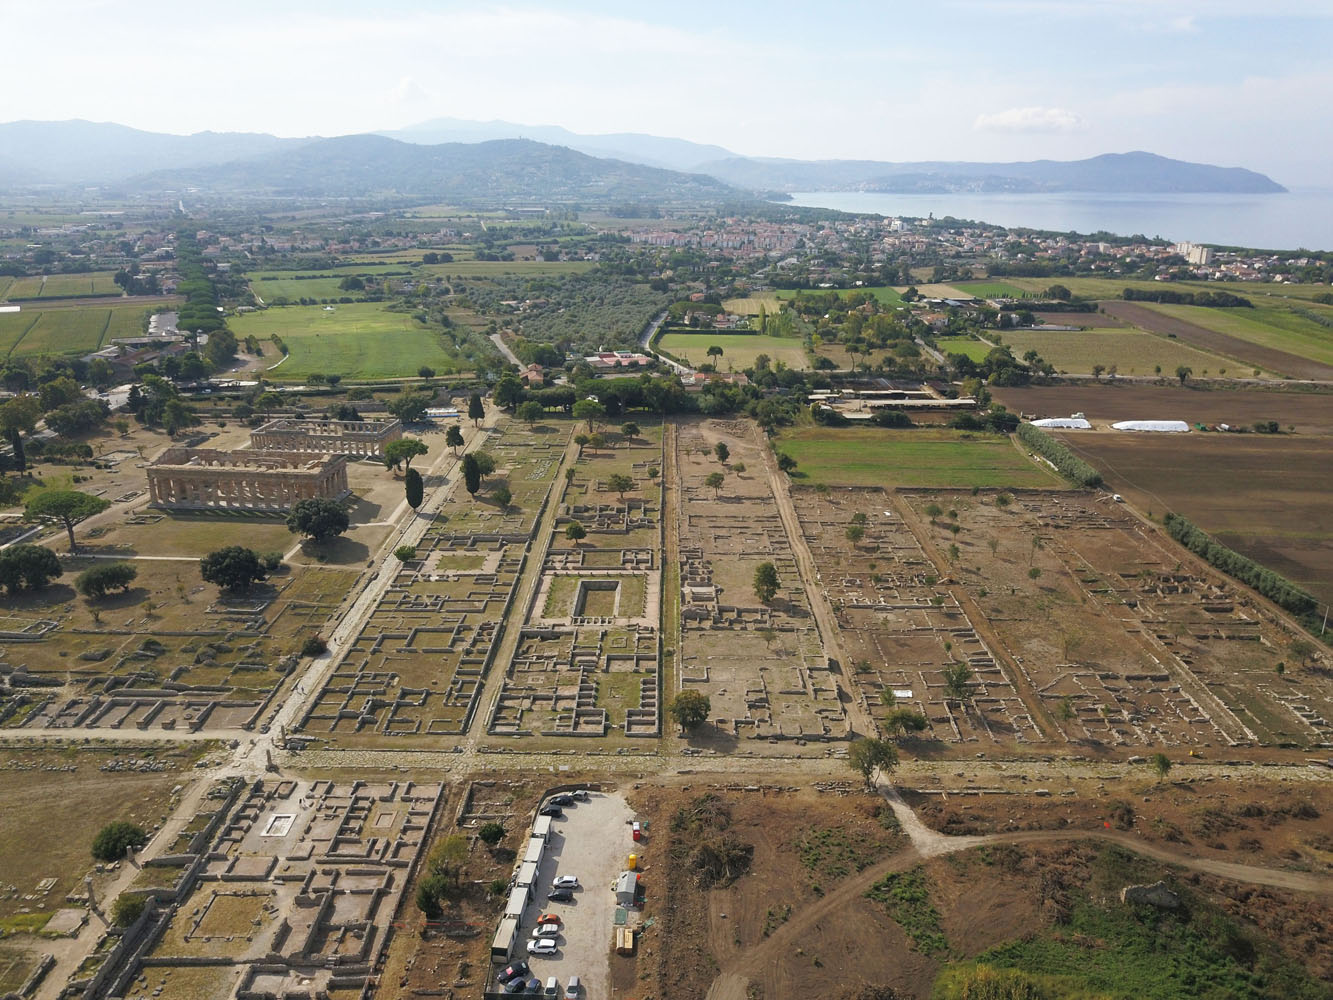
(546, 931)
(542, 946)
(565, 882)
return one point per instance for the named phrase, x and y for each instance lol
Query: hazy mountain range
(501, 162)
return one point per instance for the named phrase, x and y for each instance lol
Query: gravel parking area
(592, 841)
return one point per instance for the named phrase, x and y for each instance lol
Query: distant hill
(82, 152)
(459, 159)
(1118, 173)
(507, 171)
(633, 147)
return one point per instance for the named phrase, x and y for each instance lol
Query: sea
(1300, 218)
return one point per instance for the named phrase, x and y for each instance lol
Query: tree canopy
(102, 579)
(414, 489)
(689, 709)
(111, 841)
(867, 755)
(403, 450)
(27, 567)
(234, 568)
(68, 507)
(318, 518)
(766, 582)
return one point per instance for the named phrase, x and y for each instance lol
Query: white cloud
(1029, 120)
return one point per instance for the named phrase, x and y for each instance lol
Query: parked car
(549, 918)
(636, 831)
(560, 896)
(581, 795)
(516, 971)
(542, 946)
(555, 812)
(517, 985)
(565, 882)
(572, 988)
(560, 800)
(546, 931)
(552, 988)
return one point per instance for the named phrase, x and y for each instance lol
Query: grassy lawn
(1133, 352)
(1268, 326)
(871, 456)
(13, 327)
(50, 817)
(738, 350)
(973, 349)
(360, 340)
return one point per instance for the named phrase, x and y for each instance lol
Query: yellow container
(633, 862)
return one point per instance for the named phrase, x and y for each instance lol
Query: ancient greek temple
(210, 479)
(355, 438)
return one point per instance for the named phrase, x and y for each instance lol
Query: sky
(1217, 81)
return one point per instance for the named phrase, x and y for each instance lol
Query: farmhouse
(209, 479)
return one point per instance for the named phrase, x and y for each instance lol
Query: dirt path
(1218, 343)
(760, 962)
(859, 720)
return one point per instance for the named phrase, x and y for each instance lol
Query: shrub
(112, 839)
(127, 909)
(100, 580)
(314, 646)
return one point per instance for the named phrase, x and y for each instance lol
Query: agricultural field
(490, 268)
(1110, 288)
(60, 286)
(738, 350)
(1304, 412)
(274, 285)
(884, 295)
(973, 349)
(1149, 317)
(1267, 326)
(1133, 352)
(770, 302)
(995, 289)
(358, 340)
(1265, 496)
(82, 330)
(873, 456)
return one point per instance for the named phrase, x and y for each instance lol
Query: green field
(738, 349)
(1110, 288)
(59, 286)
(483, 268)
(66, 331)
(994, 289)
(749, 306)
(1268, 326)
(1133, 352)
(272, 286)
(973, 349)
(871, 456)
(884, 295)
(361, 340)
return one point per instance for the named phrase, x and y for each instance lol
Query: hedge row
(1277, 589)
(1058, 454)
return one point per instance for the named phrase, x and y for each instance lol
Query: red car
(550, 918)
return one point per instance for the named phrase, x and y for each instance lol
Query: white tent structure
(1064, 423)
(1161, 426)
